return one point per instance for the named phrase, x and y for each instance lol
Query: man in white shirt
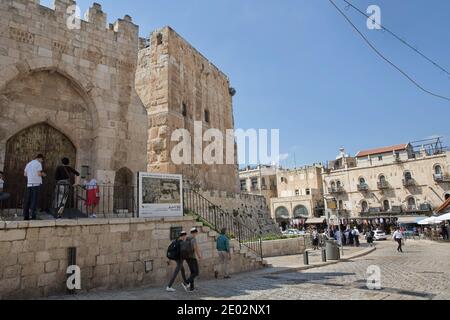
(398, 236)
(34, 173)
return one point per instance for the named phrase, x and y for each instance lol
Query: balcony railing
(336, 190)
(409, 182)
(383, 185)
(363, 187)
(441, 177)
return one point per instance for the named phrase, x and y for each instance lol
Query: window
(159, 39)
(380, 158)
(243, 185)
(382, 179)
(184, 110)
(408, 176)
(297, 193)
(301, 212)
(362, 181)
(338, 184)
(411, 204)
(364, 207)
(207, 116)
(308, 192)
(254, 184)
(386, 205)
(438, 170)
(341, 205)
(283, 180)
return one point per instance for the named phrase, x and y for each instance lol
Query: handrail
(218, 218)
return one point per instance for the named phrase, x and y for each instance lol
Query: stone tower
(178, 87)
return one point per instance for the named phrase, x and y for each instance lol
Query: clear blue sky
(298, 66)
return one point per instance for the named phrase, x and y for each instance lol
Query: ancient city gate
(23, 147)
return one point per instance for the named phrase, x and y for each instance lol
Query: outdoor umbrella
(445, 217)
(428, 221)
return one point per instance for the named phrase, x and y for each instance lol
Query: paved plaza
(420, 273)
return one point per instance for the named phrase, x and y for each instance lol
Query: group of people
(186, 249)
(64, 174)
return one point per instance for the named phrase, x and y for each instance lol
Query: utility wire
(400, 39)
(384, 58)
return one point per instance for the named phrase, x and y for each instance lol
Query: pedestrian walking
(34, 174)
(174, 254)
(63, 174)
(190, 251)
(370, 236)
(444, 231)
(315, 239)
(398, 237)
(223, 247)
(355, 234)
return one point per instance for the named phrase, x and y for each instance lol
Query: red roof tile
(366, 153)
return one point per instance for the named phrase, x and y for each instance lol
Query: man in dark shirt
(63, 175)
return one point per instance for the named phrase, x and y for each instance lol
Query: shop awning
(315, 221)
(410, 220)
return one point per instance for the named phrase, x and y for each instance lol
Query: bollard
(306, 258)
(324, 255)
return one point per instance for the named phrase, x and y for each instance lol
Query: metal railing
(217, 219)
(80, 202)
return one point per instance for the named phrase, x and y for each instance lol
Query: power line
(400, 39)
(384, 58)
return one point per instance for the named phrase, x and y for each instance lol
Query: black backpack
(186, 249)
(173, 252)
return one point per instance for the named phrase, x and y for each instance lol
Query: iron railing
(216, 218)
(112, 200)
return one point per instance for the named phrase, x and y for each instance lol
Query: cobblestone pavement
(421, 272)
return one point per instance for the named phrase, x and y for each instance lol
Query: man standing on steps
(398, 237)
(190, 251)
(223, 247)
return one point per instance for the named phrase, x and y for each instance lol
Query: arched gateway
(24, 146)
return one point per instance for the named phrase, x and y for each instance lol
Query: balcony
(363, 187)
(383, 185)
(409, 182)
(336, 190)
(441, 177)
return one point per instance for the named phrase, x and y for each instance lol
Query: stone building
(402, 180)
(69, 92)
(300, 194)
(179, 88)
(261, 180)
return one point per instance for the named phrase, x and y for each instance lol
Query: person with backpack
(190, 252)
(223, 247)
(174, 254)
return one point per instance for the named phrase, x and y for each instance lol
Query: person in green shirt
(223, 247)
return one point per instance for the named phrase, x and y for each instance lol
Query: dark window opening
(184, 110)
(159, 39)
(207, 116)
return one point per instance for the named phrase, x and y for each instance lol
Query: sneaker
(169, 289)
(94, 216)
(185, 286)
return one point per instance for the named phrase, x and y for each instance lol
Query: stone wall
(285, 247)
(251, 210)
(79, 81)
(110, 253)
(179, 86)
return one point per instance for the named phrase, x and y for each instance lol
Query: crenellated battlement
(122, 36)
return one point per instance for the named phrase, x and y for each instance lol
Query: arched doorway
(23, 147)
(124, 192)
(282, 217)
(301, 212)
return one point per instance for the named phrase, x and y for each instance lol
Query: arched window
(438, 170)
(362, 181)
(341, 205)
(364, 207)
(386, 205)
(408, 176)
(301, 212)
(282, 214)
(382, 179)
(411, 203)
(338, 184)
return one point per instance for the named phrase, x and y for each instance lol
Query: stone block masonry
(110, 253)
